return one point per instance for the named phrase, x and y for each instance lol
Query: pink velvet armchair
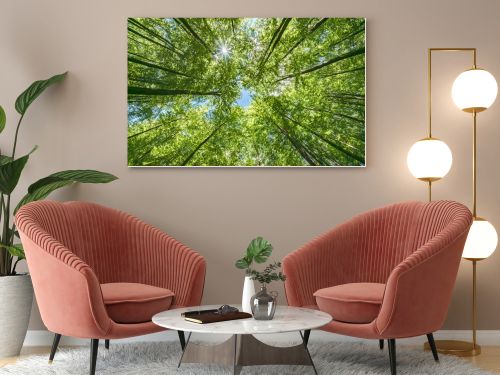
(99, 273)
(385, 274)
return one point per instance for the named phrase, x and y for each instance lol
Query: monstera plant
(16, 292)
(258, 251)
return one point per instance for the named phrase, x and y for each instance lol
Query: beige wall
(82, 124)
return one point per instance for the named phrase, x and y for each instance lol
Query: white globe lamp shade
(474, 90)
(481, 241)
(429, 159)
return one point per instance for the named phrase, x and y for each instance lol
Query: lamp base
(456, 348)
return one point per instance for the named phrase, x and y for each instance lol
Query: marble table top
(286, 319)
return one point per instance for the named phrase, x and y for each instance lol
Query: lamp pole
(474, 215)
(474, 164)
(454, 347)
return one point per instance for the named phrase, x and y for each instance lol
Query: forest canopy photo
(246, 92)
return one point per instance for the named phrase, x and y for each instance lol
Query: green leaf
(42, 193)
(13, 233)
(4, 159)
(259, 250)
(85, 176)
(15, 250)
(3, 119)
(10, 172)
(242, 264)
(47, 182)
(43, 187)
(260, 258)
(34, 91)
(76, 175)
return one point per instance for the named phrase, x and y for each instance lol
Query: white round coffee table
(242, 348)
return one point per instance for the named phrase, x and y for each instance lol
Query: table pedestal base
(246, 350)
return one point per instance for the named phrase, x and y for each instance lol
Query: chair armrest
(66, 289)
(419, 289)
(321, 263)
(165, 262)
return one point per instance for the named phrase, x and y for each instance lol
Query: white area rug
(162, 358)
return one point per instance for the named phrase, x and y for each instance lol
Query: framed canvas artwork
(262, 92)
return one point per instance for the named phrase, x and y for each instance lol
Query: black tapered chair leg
(55, 344)
(307, 333)
(432, 344)
(182, 339)
(381, 344)
(392, 355)
(106, 344)
(94, 346)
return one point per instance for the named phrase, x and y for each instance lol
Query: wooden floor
(488, 360)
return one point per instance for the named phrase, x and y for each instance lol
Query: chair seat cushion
(135, 303)
(351, 303)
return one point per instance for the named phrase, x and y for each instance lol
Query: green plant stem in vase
(269, 274)
(263, 304)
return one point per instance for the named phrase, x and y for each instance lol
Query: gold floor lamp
(430, 159)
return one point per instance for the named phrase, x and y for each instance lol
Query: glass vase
(263, 304)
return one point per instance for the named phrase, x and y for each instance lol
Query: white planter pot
(248, 292)
(16, 298)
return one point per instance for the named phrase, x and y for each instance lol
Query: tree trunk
(132, 90)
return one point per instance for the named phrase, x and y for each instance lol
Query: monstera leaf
(258, 250)
(242, 263)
